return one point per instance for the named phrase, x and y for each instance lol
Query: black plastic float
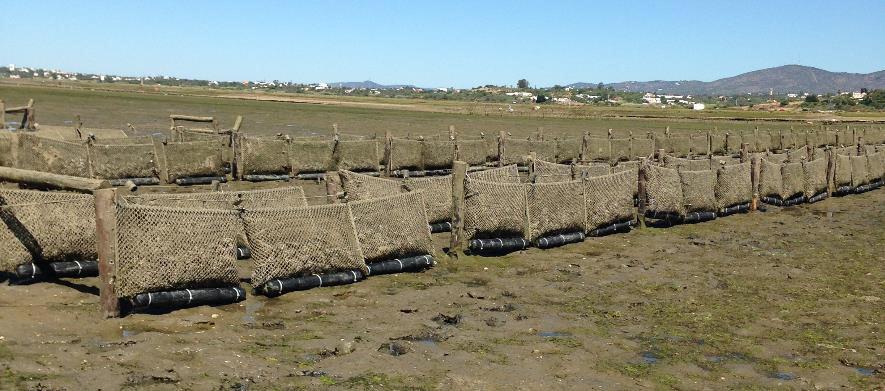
(187, 298)
(202, 180)
(734, 209)
(445, 226)
(623, 226)
(410, 264)
(67, 269)
(497, 246)
(559, 240)
(284, 285)
(136, 181)
(266, 177)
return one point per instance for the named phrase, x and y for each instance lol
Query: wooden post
(52, 181)
(745, 152)
(540, 134)
(30, 116)
(2, 114)
(501, 151)
(532, 158)
(388, 149)
(754, 180)
(643, 201)
(458, 242)
(106, 241)
(333, 187)
(860, 149)
(831, 171)
(162, 164)
(237, 123)
(452, 133)
(585, 141)
(335, 134)
(661, 153)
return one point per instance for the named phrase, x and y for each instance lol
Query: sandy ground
(789, 298)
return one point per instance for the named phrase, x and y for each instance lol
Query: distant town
(521, 93)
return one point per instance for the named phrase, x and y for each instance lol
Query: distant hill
(368, 84)
(784, 79)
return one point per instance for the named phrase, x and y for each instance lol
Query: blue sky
(444, 43)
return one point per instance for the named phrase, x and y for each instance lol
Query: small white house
(698, 106)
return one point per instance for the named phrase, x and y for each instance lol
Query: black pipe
(669, 216)
(559, 240)
(497, 246)
(284, 285)
(244, 252)
(202, 180)
(697, 217)
(818, 197)
(74, 269)
(136, 181)
(522, 169)
(794, 201)
(739, 208)
(772, 201)
(266, 177)
(613, 228)
(445, 226)
(843, 190)
(410, 264)
(188, 298)
(312, 175)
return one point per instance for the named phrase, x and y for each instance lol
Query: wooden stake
(540, 134)
(831, 171)
(754, 180)
(237, 123)
(2, 114)
(501, 137)
(745, 152)
(29, 117)
(333, 187)
(458, 242)
(452, 132)
(585, 142)
(643, 201)
(661, 153)
(532, 158)
(106, 240)
(388, 150)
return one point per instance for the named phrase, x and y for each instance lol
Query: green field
(148, 111)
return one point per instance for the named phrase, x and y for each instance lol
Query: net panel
(555, 208)
(797, 155)
(123, 161)
(876, 165)
(718, 144)
(842, 170)
(508, 174)
(608, 199)
(392, 227)
(568, 150)
(361, 187)
(700, 145)
(770, 180)
(475, 152)
(406, 154)
(687, 164)
(681, 145)
(545, 172)
(733, 143)
(591, 170)
(194, 159)
(302, 241)
(620, 148)
(698, 190)
(777, 157)
(6, 149)
(307, 156)
(357, 155)
(50, 155)
(494, 209)
(437, 193)
(663, 190)
(793, 180)
(39, 226)
(264, 156)
(815, 176)
(438, 154)
(763, 141)
(642, 147)
(598, 149)
(734, 185)
(161, 249)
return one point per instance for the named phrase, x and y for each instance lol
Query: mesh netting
(123, 161)
(392, 227)
(789, 140)
(777, 157)
(750, 139)
(357, 155)
(842, 174)
(681, 145)
(284, 197)
(361, 187)
(717, 161)
(517, 150)
(591, 170)
(598, 149)
(876, 165)
(437, 193)
(555, 208)
(125, 140)
(633, 168)
(815, 176)
(194, 159)
(55, 156)
(797, 155)
(770, 180)
(494, 209)
(438, 154)
(608, 199)
(718, 144)
(734, 185)
(844, 137)
(161, 249)
(763, 141)
(501, 174)
(39, 226)
(698, 190)
(686, 164)
(642, 147)
(264, 156)
(474, 152)
(663, 190)
(700, 145)
(793, 180)
(302, 241)
(6, 149)
(405, 154)
(832, 138)
(620, 148)
(733, 143)
(311, 155)
(552, 172)
(568, 150)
